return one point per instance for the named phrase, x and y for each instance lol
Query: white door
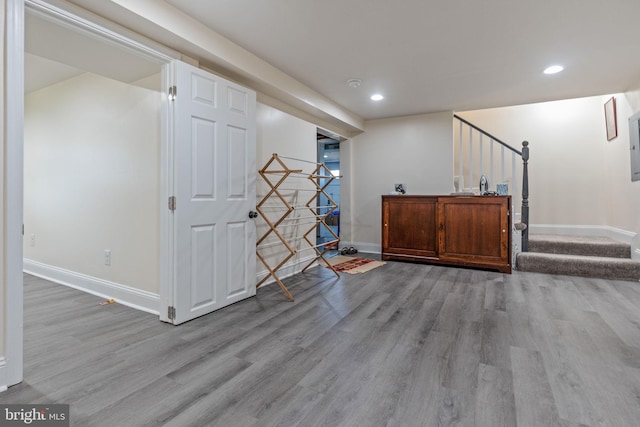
(214, 177)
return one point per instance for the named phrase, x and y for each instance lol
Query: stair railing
(474, 158)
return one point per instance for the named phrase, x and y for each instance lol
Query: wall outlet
(107, 257)
(32, 242)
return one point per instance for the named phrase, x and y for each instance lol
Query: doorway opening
(329, 155)
(171, 177)
(92, 146)
(19, 38)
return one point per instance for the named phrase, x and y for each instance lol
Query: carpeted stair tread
(577, 265)
(579, 245)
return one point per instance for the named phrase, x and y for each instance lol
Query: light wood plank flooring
(402, 345)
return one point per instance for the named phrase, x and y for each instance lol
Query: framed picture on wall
(610, 118)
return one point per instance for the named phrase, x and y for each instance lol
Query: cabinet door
(409, 226)
(474, 230)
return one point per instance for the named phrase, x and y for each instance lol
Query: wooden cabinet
(409, 226)
(471, 231)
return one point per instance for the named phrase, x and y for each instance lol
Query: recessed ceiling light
(553, 69)
(377, 97)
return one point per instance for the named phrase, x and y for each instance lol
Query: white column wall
(11, 298)
(3, 216)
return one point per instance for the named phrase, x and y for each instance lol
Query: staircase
(599, 257)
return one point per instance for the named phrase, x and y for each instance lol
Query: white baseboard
(591, 230)
(369, 248)
(614, 233)
(3, 374)
(125, 295)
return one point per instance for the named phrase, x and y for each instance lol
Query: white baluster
(513, 172)
(491, 161)
(481, 170)
(460, 186)
(502, 164)
(471, 158)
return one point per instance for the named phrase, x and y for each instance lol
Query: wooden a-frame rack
(278, 212)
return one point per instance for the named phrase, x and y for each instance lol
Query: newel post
(525, 196)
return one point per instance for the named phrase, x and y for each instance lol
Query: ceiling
(41, 72)
(422, 55)
(436, 55)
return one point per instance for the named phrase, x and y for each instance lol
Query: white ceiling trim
(70, 16)
(257, 73)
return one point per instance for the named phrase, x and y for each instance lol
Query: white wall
(416, 151)
(633, 98)
(623, 206)
(284, 134)
(92, 156)
(287, 136)
(576, 176)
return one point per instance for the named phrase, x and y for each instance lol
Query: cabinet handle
(504, 231)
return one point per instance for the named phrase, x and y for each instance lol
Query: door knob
(253, 214)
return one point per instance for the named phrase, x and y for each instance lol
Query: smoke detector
(354, 83)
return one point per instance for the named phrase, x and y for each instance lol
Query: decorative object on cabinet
(291, 218)
(484, 184)
(502, 189)
(463, 231)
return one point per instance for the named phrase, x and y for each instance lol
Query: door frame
(11, 228)
(13, 195)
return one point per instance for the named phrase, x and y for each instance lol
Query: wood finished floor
(402, 345)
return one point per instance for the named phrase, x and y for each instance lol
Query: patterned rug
(353, 265)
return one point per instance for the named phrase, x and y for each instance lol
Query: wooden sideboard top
(399, 196)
